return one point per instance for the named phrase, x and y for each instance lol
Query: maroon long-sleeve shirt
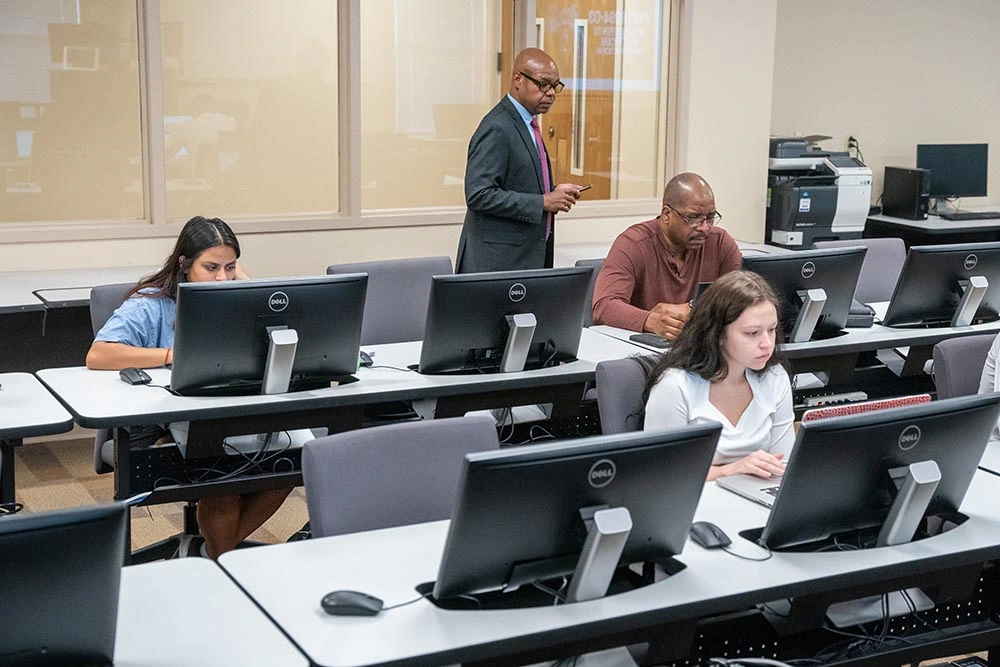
(640, 272)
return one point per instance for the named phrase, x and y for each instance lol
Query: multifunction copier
(814, 195)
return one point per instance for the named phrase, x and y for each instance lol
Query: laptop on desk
(759, 490)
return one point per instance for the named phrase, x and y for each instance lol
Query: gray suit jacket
(504, 225)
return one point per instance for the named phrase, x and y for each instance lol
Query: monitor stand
(282, 343)
(607, 532)
(972, 289)
(520, 331)
(919, 482)
(812, 302)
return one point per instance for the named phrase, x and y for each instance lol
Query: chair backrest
(391, 475)
(868, 406)
(619, 395)
(880, 270)
(958, 364)
(104, 300)
(595, 268)
(398, 292)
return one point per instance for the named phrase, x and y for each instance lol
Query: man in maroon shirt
(653, 268)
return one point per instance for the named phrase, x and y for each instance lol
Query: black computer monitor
(942, 285)
(957, 170)
(794, 275)
(518, 517)
(223, 331)
(843, 472)
(469, 326)
(59, 573)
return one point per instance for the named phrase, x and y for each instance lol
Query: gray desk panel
(188, 613)
(389, 563)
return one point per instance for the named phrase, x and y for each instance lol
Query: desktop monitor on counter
(244, 337)
(956, 170)
(529, 514)
(816, 288)
(947, 285)
(504, 321)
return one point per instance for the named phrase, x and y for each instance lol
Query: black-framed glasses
(556, 87)
(695, 221)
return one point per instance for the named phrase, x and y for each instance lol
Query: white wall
(893, 74)
(727, 51)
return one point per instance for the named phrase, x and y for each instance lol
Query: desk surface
(187, 612)
(100, 399)
(17, 287)
(935, 225)
(28, 409)
(389, 563)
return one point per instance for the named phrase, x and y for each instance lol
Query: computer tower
(905, 193)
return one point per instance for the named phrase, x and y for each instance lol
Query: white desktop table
(188, 613)
(26, 409)
(933, 230)
(99, 399)
(60, 288)
(390, 563)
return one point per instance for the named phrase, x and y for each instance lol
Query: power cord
(759, 560)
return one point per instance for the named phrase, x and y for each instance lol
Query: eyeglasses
(695, 221)
(556, 87)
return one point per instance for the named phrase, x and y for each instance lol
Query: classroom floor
(58, 474)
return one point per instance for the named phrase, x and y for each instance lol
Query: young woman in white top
(723, 368)
(140, 333)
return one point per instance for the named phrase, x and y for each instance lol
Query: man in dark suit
(508, 185)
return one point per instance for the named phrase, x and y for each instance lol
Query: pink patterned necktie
(546, 178)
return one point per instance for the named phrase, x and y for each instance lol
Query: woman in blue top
(141, 334)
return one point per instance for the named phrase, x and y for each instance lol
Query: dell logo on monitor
(970, 262)
(277, 301)
(909, 438)
(808, 270)
(516, 292)
(601, 473)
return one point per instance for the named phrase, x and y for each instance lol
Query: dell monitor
(947, 285)
(815, 287)
(521, 513)
(267, 336)
(504, 321)
(956, 170)
(61, 572)
(844, 473)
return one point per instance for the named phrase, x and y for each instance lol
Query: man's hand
(562, 198)
(667, 319)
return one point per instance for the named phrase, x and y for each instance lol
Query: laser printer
(814, 195)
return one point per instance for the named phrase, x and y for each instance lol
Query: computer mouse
(350, 603)
(366, 360)
(134, 376)
(708, 535)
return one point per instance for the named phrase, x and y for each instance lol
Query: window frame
(155, 222)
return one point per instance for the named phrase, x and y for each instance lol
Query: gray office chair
(619, 395)
(595, 265)
(104, 300)
(958, 364)
(389, 475)
(880, 270)
(398, 291)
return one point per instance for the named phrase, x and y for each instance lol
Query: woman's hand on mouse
(759, 464)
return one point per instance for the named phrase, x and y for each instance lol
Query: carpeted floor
(57, 474)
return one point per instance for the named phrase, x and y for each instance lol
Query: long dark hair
(198, 235)
(698, 347)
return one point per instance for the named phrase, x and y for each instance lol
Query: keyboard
(970, 215)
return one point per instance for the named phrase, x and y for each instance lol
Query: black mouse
(350, 603)
(134, 376)
(366, 360)
(709, 535)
